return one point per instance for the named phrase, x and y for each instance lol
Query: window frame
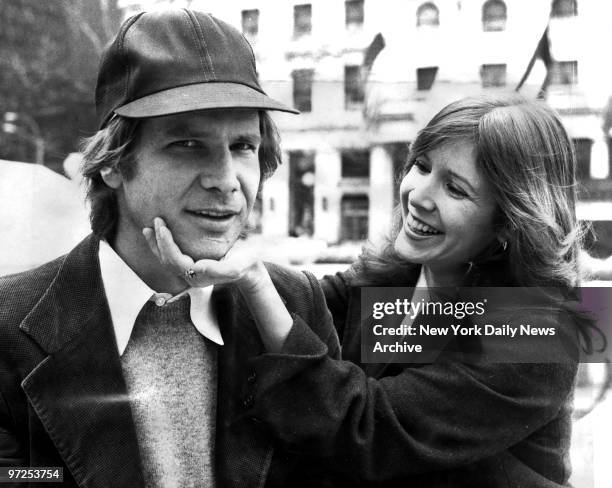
(303, 80)
(354, 93)
(302, 20)
(494, 24)
(426, 84)
(244, 14)
(422, 9)
(354, 23)
(492, 83)
(560, 10)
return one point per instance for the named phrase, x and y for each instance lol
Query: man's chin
(208, 249)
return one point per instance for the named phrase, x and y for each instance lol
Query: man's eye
(243, 146)
(187, 143)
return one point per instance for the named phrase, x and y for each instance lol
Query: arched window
(494, 15)
(564, 8)
(428, 15)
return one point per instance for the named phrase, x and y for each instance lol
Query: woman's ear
(110, 175)
(502, 238)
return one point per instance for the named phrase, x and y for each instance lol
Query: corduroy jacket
(63, 398)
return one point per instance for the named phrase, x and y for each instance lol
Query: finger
(158, 224)
(230, 268)
(170, 253)
(220, 271)
(240, 258)
(149, 235)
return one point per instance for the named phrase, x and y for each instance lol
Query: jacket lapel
(78, 391)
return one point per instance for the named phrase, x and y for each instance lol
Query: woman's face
(447, 209)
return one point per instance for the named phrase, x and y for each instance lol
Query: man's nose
(220, 173)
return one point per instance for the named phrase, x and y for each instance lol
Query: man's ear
(111, 177)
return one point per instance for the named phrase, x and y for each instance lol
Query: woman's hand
(241, 266)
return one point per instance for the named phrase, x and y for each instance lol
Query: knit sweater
(171, 376)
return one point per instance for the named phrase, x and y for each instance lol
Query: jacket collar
(84, 412)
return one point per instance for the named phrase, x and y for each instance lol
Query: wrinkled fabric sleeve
(434, 417)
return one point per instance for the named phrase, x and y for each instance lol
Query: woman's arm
(428, 418)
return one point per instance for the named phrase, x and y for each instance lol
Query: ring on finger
(190, 273)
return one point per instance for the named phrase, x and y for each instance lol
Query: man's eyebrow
(187, 130)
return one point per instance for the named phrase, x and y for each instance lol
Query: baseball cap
(179, 60)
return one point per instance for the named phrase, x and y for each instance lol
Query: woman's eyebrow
(454, 174)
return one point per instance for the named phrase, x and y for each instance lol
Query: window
(355, 163)
(493, 75)
(353, 13)
(609, 140)
(564, 8)
(564, 73)
(494, 15)
(302, 89)
(250, 22)
(255, 217)
(428, 15)
(426, 77)
(353, 88)
(354, 211)
(583, 146)
(302, 20)
(301, 193)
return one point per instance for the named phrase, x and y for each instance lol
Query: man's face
(199, 171)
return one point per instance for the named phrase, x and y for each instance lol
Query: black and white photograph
(288, 243)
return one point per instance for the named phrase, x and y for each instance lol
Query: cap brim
(200, 96)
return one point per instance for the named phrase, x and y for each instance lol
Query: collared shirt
(126, 294)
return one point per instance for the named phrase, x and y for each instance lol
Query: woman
(487, 199)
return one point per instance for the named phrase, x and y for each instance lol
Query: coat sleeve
(437, 416)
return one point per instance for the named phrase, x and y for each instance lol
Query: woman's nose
(422, 195)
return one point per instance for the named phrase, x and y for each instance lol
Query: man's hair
(114, 147)
(525, 154)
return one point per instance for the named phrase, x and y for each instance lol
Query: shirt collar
(126, 294)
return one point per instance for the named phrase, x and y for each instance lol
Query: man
(118, 362)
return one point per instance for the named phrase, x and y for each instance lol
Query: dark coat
(446, 424)
(63, 398)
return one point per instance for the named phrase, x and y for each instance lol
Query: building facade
(362, 104)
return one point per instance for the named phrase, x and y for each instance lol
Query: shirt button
(160, 301)
(252, 378)
(248, 401)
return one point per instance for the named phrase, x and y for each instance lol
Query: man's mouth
(213, 213)
(419, 227)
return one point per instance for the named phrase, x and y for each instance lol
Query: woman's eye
(456, 191)
(421, 166)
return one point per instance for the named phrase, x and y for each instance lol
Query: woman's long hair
(527, 158)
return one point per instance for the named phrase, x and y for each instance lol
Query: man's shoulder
(19, 292)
